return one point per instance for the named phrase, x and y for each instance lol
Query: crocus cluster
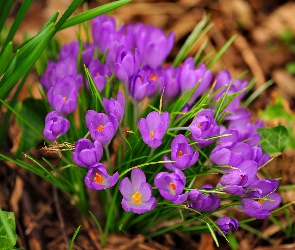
(134, 55)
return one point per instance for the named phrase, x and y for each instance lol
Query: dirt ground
(265, 46)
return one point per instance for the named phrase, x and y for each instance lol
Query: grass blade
(87, 15)
(6, 53)
(74, 237)
(18, 19)
(221, 51)
(191, 40)
(5, 9)
(24, 65)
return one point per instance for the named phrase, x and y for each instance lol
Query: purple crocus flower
(69, 50)
(231, 154)
(48, 79)
(258, 156)
(127, 64)
(101, 127)
(153, 128)
(170, 82)
(181, 153)
(152, 44)
(204, 126)
(87, 153)
(141, 86)
(226, 223)
(97, 177)
(266, 199)
(115, 107)
(103, 31)
(203, 202)
(137, 193)
(63, 96)
(190, 77)
(223, 79)
(240, 177)
(171, 186)
(99, 72)
(55, 126)
(87, 54)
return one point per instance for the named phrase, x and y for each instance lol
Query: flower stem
(178, 128)
(106, 148)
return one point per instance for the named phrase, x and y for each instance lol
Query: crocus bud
(87, 153)
(55, 126)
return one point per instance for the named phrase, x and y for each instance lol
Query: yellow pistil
(100, 128)
(98, 178)
(152, 134)
(179, 154)
(137, 197)
(172, 185)
(64, 98)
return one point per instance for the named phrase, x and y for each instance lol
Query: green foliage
(278, 114)
(74, 237)
(274, 140)
(7, 230)
(31, 115)
(290, 67)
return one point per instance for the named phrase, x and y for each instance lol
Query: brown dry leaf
(206, 242)
(250, 59)
(286, 83)
(280, 20)
(16, 195)
(241, 10)
(281, 247)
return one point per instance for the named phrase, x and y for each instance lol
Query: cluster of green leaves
(7, 230)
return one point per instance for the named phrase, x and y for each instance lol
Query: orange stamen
(98, 178)
(172, 185)
(200, 126)
(154, 77)
(97, 74)
(152, 134)
(100, 128)
(64, 98)
(137, 197)
(179, 154)
(260, 201)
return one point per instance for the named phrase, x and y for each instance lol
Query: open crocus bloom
(137, 193)
(153, 128)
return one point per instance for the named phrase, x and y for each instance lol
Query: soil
(264, 46)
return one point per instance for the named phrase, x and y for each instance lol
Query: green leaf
(277, 113)
(74, 237)
(87, 15)
(7, 230)
(18, 19)
(190, 41)
(4, 11)
(26, 60)
(34, 111)
(7, 52)
(221, 51)
(274, 140)
(69, 11)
